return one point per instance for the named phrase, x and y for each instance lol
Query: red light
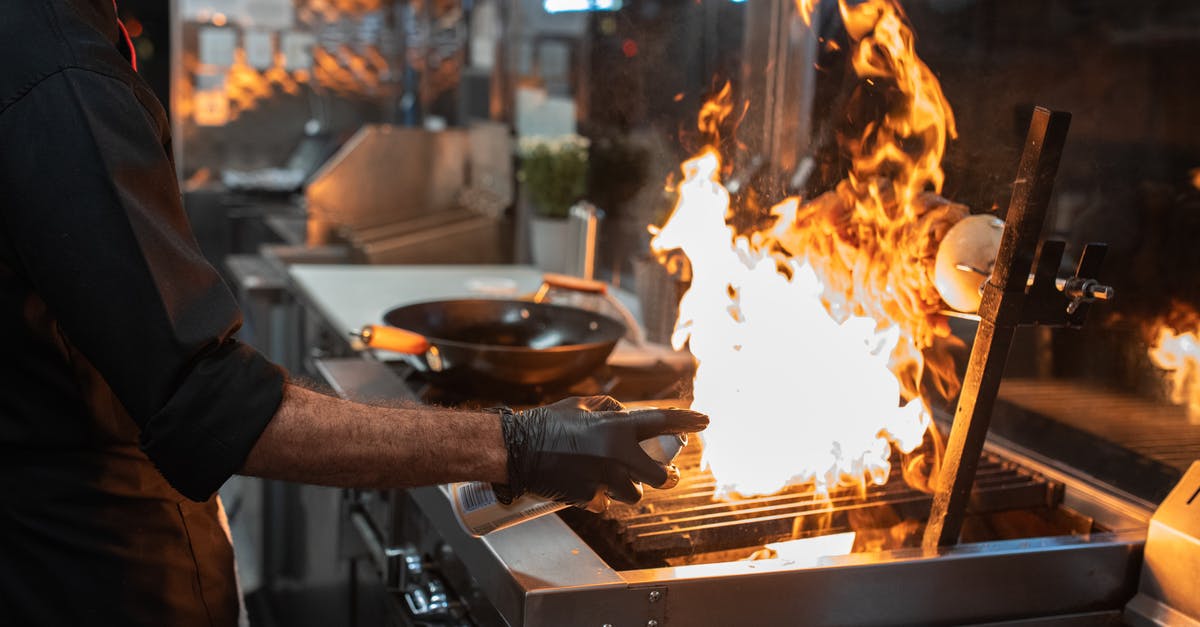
(134, 26)
(629, 48)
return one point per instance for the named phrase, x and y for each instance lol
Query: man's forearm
(319, 439)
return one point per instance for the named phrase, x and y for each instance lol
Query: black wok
(497, 345)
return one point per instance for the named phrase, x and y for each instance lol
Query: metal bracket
(1005, 305)
(1169, 593)
(656, 605)
(429, 600)
(398, 566)
(1045, 295)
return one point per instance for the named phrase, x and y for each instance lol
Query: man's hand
(578, 447)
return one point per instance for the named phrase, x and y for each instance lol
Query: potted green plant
(553, 174)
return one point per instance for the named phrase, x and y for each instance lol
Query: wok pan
(498, 345)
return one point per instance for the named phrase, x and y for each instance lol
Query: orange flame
(1176, 350)
(715, 110)
(808, 334)
(805, 9)
(884, 49)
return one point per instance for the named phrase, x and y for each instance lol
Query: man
(125, 400)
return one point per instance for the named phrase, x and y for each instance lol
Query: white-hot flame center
(794, 395)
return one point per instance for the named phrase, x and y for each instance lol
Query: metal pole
(1000, 313)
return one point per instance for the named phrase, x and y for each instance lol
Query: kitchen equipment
(589, 294)
(397, 195)
(1170, 585)
(555, 570)
(583, 225)
(1011, 299)
(660, 285)
(690, 525)
(488, 344)
(1039, 543)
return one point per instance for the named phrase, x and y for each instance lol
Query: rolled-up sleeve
(91, 207)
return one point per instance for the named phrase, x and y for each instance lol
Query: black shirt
(125, 402)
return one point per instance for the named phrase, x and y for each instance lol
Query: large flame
(794, 395)
(808, 334)
(1176, 350)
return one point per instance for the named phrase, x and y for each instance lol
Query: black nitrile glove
(580, 447)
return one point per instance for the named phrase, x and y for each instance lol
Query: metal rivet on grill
(651, 623)
(655, 595)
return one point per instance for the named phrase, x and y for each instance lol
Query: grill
(688, 525)
(1138, 445)
(1158, 431)
(1038, 542)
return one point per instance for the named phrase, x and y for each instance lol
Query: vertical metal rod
(1000, 313)
(353, 592)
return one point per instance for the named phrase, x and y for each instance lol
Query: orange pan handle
(393, 339)
(567, 282)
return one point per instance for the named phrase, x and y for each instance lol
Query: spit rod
(1000, 313)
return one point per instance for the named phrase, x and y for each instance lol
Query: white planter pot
(548, 240)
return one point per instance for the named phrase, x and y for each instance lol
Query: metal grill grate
(687, 521)
(1154, 430)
